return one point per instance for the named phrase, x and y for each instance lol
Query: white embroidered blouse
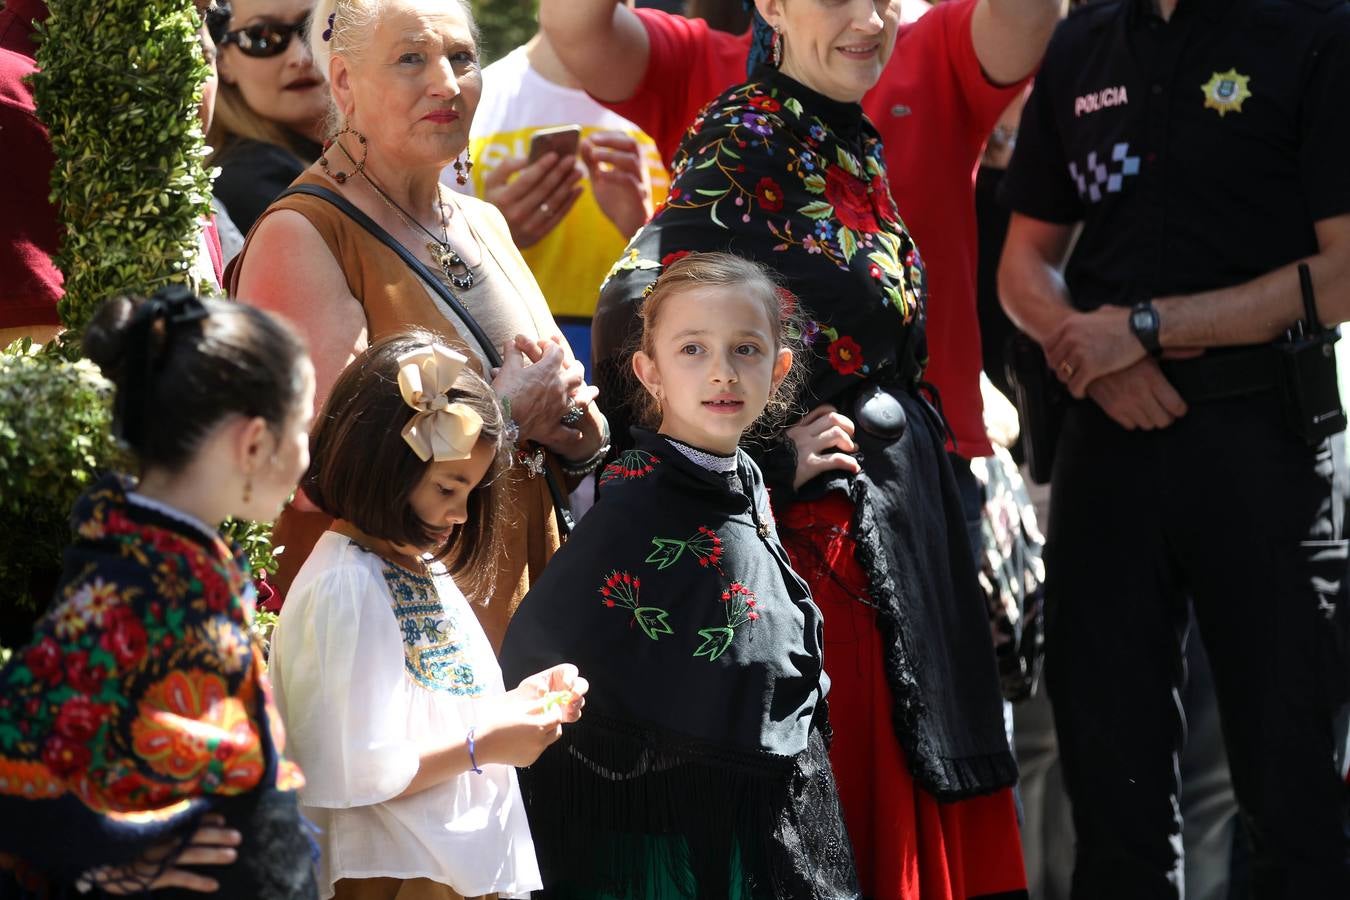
(371, 664)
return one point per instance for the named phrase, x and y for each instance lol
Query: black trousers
(1227, 508)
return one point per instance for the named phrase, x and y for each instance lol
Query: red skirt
(907, 844)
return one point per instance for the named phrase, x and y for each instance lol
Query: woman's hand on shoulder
(824, 442)
(523, 722)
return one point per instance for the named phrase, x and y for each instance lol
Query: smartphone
(562, 140)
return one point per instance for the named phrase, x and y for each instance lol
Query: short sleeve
(337, 664)
(1324, 125)
(984, 100)
(1037, 183)
(668, 99)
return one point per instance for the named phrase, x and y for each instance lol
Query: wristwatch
(1144, 324)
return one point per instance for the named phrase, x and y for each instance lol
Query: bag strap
(560, 505)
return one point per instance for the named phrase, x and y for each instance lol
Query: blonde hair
(352, 28)
(700, 270)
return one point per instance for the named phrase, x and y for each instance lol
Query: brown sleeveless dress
(506, 301)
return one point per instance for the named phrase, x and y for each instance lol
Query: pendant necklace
(445, 256)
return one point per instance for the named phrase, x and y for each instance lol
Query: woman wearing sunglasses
(271, 106)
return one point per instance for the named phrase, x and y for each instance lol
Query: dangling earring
(341, 177)
(462, 169)
(777, 48)
(248, 489)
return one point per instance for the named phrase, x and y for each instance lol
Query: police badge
(1225, 91)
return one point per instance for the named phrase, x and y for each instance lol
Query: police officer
(1202, 146)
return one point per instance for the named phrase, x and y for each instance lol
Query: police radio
(1312, 392)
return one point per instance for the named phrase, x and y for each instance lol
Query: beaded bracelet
(473, 763)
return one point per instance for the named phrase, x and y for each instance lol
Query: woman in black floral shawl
(138, 740)
(785, 170)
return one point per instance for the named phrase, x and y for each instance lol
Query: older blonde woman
(378, 245)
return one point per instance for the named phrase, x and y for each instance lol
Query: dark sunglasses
(265, 38)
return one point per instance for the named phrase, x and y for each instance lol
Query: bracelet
(510, 429)
(588, 465)
(473, 763)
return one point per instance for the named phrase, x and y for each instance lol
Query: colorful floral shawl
(780, 174)
(141, 701)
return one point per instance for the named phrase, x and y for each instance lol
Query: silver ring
(573, 415)
(543, 208)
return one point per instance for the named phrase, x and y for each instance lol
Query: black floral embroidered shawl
(698, 768)
(141, 704)
(778, 173)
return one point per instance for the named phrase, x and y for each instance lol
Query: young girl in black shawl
(700, 769)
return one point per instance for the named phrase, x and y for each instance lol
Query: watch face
(1140, 320)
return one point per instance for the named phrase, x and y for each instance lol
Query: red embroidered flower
(673, 256)
(79, 718)
(767, 104)
(845, 355)
(44, 660)
(875, 271)
(124, 637)
(63, 756)
(882, 201)
(848, 196)
(769, 195)
(82, 676)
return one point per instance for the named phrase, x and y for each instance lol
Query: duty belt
(1219, 375)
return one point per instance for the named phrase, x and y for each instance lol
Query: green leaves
(652, 621)
(666, 552)
(716, 640)
(119, 87)
(817, 209)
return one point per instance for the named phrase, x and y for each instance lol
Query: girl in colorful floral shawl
(137, 734)
(700, 769)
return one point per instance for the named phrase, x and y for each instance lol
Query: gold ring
(1065, 369)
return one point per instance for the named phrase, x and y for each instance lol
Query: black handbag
(1041, 402)
(561, 508)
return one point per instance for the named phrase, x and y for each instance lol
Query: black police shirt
(1197, 152)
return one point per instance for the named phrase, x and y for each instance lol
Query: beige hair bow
(441, 430)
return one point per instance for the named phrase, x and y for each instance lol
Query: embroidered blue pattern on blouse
(433, 653)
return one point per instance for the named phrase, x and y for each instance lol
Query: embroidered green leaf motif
(848, 244)
(792, 106)
(9, 735)
(100, 657)
(715, 641)
(815, 183)
(21, 675)
(886, 263)
(848, 162)
(652, 621)
(707, 163)
(726, 150)
(666, 552)
(817, 209)
(873, 167)
(896, 299)
(708, 192)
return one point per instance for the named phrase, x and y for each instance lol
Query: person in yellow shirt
(570, 214)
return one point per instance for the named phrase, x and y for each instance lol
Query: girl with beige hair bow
(367, 242)
(387, 684)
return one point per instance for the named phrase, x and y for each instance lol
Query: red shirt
(934, 108)
(30, 283)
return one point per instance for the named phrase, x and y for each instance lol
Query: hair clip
(328, 32)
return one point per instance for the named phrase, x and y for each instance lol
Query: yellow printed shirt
(569, 262)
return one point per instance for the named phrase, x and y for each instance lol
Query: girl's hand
(212, 844)
(822, 430)
(520, 725)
